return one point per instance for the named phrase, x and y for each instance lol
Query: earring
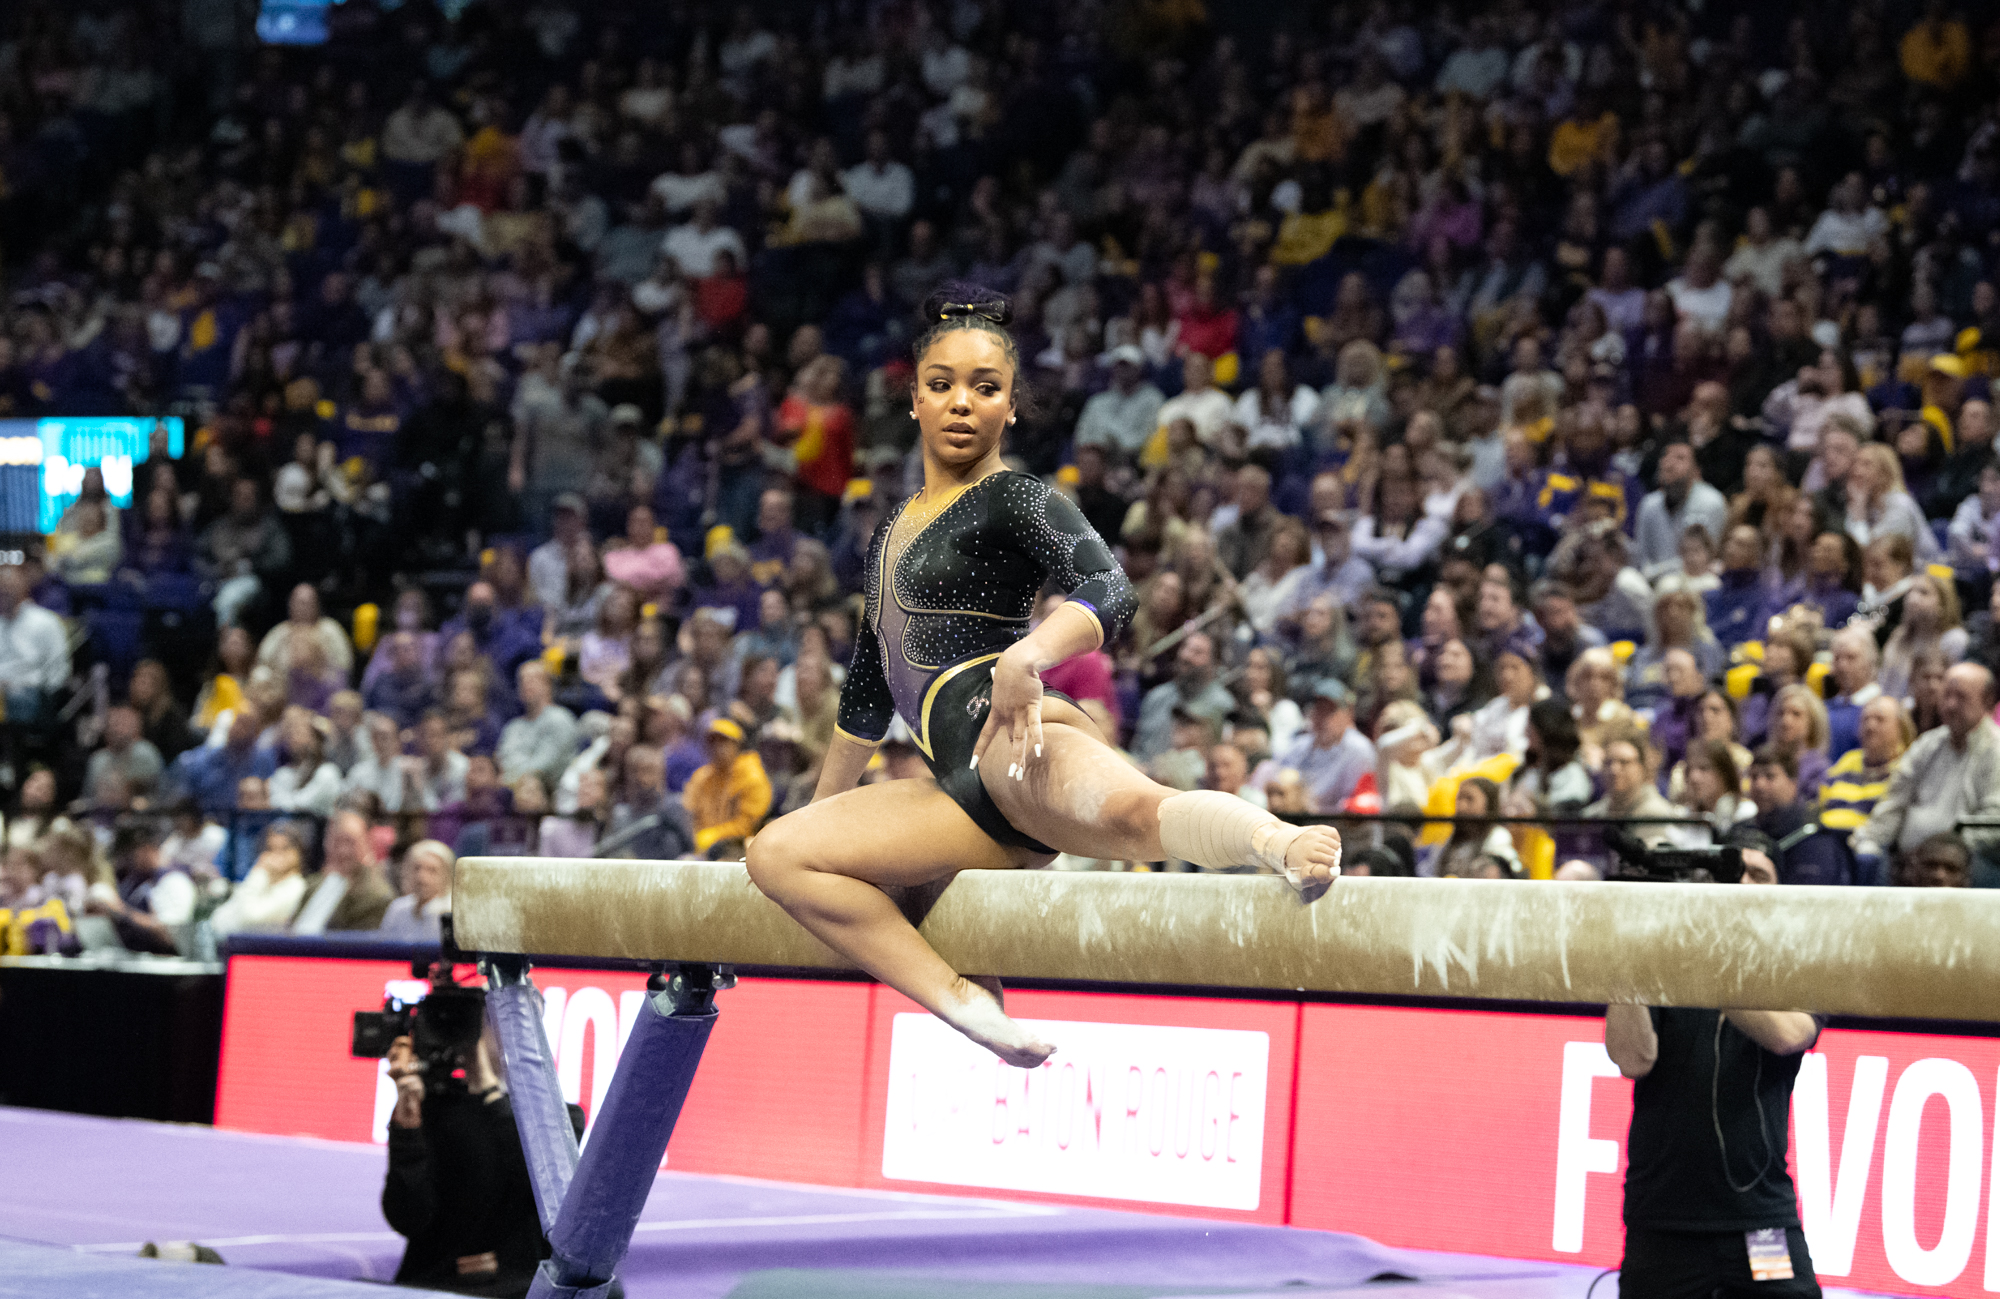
(1011, 418)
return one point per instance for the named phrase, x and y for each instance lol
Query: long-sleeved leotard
(962, 590)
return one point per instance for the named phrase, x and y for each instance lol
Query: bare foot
(976, 1010)
(1312, 863)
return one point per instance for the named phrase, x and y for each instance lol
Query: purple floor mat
(310, 1208)
(41, 1270)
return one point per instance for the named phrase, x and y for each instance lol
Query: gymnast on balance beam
(952, 576)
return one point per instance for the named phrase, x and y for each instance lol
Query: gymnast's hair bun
(958, 300)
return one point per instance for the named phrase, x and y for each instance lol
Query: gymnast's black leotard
(939, 612)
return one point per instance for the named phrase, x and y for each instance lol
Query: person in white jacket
(1398, 536)
(416, 916)
(269, 896)
(381, 769)
(307, 782)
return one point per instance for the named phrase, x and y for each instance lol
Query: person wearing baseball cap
(1332, 756)
(728, 797)
(1336, 571)
(1944, 392)
(1122, 417)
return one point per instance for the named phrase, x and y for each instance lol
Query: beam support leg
(514, 1008)
(593, 1227)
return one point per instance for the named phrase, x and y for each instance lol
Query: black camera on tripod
(1642, 864)
(442, 1026)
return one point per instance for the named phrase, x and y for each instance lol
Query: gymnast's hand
(1016, 712)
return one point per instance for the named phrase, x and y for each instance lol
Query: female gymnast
(1017, 774)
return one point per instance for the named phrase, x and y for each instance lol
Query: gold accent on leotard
(1091, 614)
(919, 513)
(923, 736)
(885, 578)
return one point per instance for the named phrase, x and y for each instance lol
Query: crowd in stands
(1521, 411)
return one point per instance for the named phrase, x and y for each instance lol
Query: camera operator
(458, 1185)
(1710, 1211)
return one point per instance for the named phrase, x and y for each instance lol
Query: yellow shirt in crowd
(1937, 54)
(727, 805)
(1575, 144)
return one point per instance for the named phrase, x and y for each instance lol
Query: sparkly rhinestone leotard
(945, 598)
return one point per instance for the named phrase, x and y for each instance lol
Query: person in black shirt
(1706, 1191)
(458, 1187)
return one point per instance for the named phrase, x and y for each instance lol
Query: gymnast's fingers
(986, 734)
(1035, 730)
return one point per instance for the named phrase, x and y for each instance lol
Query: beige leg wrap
(1214, 830)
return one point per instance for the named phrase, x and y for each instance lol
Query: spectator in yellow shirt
(1309, 233)
(1938, 50)
(726, 799)
(1590, 134)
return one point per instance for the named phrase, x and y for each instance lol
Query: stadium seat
(117, 639)
(175, 591)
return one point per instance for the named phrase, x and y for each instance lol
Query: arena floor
(98, 1188)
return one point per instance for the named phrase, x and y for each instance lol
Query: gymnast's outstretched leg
(1081, 796)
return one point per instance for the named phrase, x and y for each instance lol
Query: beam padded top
(1916, 953)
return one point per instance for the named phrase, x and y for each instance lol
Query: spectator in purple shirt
(504, 641)
(404, 692)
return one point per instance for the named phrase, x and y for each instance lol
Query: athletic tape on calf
(1216, 830)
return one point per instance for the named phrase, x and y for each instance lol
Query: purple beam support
(629, 1138)
(514, 1008)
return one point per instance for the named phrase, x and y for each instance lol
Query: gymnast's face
(964, 398)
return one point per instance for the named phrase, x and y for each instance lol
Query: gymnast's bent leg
(827, 864)
(1083, 797)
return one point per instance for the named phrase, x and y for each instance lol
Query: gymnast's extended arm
(866, 708)
(1016, 716)
(1077, 560)
(1064, 634)
(1100, 603)
(846, 759)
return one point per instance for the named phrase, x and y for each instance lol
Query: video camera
(441, 1026)
(1639, 863)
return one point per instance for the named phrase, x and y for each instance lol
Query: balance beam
(1895, 953)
